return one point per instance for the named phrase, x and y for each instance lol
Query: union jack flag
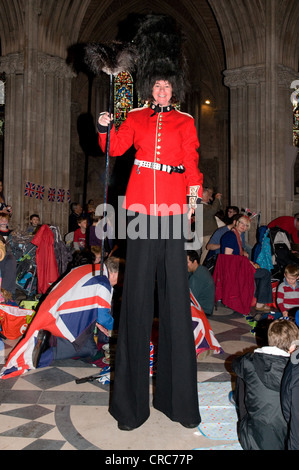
(51, 194)
(72, 306)
(40, 192)
(68, 195)
(29, 189)
(60, 195)
(203, 335)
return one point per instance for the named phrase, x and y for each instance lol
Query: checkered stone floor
(46, 410)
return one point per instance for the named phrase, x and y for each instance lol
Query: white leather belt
(159, 166)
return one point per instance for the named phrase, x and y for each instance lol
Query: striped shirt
(287, 296)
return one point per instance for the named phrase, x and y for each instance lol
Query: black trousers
(263, 287)
(150, 260)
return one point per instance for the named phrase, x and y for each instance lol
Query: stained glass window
(123, 97)
(296, 122)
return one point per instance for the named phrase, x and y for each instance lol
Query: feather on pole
(110, 58)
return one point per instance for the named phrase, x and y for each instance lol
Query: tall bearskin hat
(159, 45)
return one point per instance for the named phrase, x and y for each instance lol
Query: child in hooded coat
(257, 394)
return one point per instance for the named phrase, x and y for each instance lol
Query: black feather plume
(110, 58)
(156, 53)
(159, 44)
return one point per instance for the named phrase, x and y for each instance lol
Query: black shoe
(41, 346)
(190, 426)
(124, 427)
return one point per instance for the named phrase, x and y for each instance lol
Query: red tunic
(168, 138)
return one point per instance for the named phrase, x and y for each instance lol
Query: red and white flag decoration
(29, 189)
(39, 191)
(51, 194)
(68, 310)
(60, 195)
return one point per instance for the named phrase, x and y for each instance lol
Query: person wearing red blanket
(231, 244)
(46, 263)
(289, 224)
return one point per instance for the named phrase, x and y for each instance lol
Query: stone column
(246, 128)
(221, 117)
(261, 139)
(54, 135)
(37, 136)
(13, 66)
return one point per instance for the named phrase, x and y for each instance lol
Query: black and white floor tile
(46, 409)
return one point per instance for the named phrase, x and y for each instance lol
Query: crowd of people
(55, 284)
(255, 394)
(266, 379)
(164, 190)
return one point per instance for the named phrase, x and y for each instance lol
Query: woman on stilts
(165, 187)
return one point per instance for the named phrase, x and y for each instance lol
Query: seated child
(80, 234)
(8, 263)
(97, 251)
(288, 292)
(34, 223)
(257, 393)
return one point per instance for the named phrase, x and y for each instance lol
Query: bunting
(39, 191)
(60, 195)
(29, 189)
(51, 194)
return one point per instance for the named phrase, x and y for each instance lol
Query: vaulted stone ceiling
(203, 46)
(66, 22)
(242, 24)
(243, 27)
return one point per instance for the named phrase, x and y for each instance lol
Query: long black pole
(106, 175)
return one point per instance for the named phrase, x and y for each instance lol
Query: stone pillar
(261, 139)
(76, 157)
(54, 135)
(13, 66)
(247, 126)
(221, 117)
(37, 136)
